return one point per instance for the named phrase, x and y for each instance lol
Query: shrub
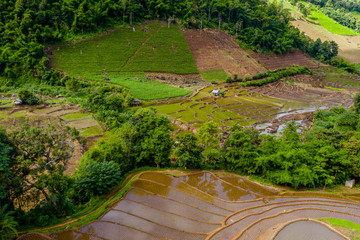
(27, 97)
(97, 179)
(73, 84)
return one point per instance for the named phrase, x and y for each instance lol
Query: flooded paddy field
(205, 205)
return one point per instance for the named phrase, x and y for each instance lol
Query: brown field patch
(349, 46)
(295, 57)
(213, 49)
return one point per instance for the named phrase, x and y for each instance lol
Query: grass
(74, 116)
(125, 55)
(351, 228)
(91, 131)
(332, 88)
(330, 24)
(142, 88)
(218, 75)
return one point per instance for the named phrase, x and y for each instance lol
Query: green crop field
(166, 51)
(124, 55)
(218, 75)
(142, 88)
(330, 24)
(234, 107)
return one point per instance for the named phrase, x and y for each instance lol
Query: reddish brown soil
(295, 57)
(214, 49)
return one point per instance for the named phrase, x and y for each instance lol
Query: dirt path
(349, 46)
(213, 49)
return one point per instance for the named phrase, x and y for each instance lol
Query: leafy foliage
(27, 26)
(28, 97)
(97, 179)
(41, 158)
(7, 223)
(188, 152)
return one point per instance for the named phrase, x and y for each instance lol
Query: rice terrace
(181, 120)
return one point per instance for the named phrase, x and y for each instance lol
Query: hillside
(110, 111)
(214, 50)
(349, 46)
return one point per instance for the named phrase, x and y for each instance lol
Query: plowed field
(213, 50)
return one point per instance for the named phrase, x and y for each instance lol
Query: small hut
(137, 102)
(18, 102)
(215, 92)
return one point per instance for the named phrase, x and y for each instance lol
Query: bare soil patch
(186, 81)
(349, 46)
(307, 89)
(213, 49)
(295, 57)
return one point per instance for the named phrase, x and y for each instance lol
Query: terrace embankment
(296, 57)
(204, 205)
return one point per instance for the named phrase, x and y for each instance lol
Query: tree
(188, 152)
(208, 138)
(5, 165)
(356, 101)
(152, 142)
(97, 179)
(41, 158)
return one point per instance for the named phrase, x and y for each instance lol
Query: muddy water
(150, 227)
(250, 186)
(307, 230)
(208, 183)
(74, 235)
(172, 206)
(114, 231)
(163, 218)
(180, 196)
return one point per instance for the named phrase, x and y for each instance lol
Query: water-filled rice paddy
(204, 205)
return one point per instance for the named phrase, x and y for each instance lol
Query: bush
(73, 84)
(96, 179)
(27, 97)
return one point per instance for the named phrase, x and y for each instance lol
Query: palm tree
(7, 223)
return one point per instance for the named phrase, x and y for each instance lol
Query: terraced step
(203, 205)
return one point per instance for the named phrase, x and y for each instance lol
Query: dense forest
(26, 27)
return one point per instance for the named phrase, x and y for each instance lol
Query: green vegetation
(74, 116)
(218, 75)
(165, 51)
(351, 227)
(96, 179)
(123, 56)
(142, 87)
(270, 76)
(337, 89)
(27, 97)
(91, 131)
(330, 24)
